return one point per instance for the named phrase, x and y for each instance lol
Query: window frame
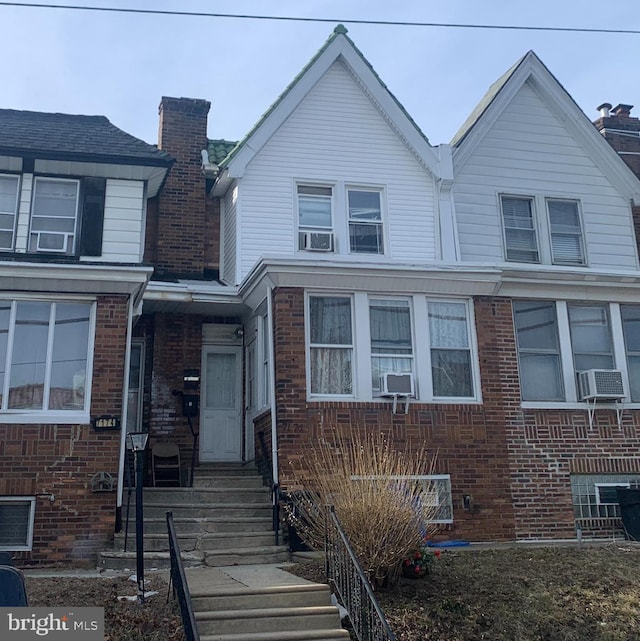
(303, 229)
(31, 415)
(582, 244)
(362, 387)
(585, 496)
(16, 212)
(569, 373)
(309, 346)
(28, 545)
(380, 224)
(76, 226)
(534, 228)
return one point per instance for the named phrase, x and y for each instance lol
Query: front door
(221, 413)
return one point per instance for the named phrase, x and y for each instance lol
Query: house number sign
(106, 422)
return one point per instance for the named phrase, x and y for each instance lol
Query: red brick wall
(515, 464)
(182, 204)
(60, 460)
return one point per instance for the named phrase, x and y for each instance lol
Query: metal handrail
(275, 489)
(178, 580)
(350, 584)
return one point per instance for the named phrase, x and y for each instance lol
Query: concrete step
(114, 560)
(263, 620)
(338, 634)
(201, 541)
(280, 596)
(199, 525)
(177, 496)
(246, 556)
(225, 469)
(206, 510)
(236, 481)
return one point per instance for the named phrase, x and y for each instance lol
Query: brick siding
(60, 460)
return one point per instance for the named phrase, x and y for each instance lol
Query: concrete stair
(224, 519)
(271, 613)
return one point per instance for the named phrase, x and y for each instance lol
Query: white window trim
(32, 512)
(381, 191)
(68, 417)
(361, 342)
(298, 230)
(16, 211)
(566, 358)
(583, 244)
(76, 228)
(542, 227)
(352, 346)
(416, 477)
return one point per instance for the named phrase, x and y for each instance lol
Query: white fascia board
(397, 278)
(388, 107)
(191, 291)
(78, 278)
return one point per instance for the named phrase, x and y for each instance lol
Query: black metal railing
(350, 584)
(266, 469)
(178, 581)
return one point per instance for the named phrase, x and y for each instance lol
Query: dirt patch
(155, 620)
(517, 594)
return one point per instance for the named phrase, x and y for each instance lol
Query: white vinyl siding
(228, 246)
(336, 134)
(529, 151)
(124, 216)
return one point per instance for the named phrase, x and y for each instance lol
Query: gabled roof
(530, 69)
(338, 46)
(74, 137)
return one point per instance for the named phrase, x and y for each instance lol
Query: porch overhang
(193, 297)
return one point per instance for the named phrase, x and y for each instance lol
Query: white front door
(221, 412)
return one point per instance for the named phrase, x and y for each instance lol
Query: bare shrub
(385, 511)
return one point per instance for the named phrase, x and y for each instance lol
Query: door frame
(209, 348)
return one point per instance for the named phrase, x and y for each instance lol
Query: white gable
(336, 136)
(528, 149)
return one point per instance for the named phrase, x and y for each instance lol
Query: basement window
(595, 495)
(16, 522)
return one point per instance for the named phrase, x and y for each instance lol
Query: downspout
(272, 388)
(125, 411)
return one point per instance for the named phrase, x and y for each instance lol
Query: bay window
(44, 355)
(354, 340)
(556, 340)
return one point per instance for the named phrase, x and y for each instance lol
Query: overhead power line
(394, 23)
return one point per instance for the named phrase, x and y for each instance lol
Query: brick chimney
(181, 220)
(622, 131)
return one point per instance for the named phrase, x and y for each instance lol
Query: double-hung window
(9, 189)
(315, 220)
(391, 341)
(520, 237)
(365, 222)
(44, 356)
(538, 351)
(591, 337)
(566, 232)
(451, 368)
(330, 345)
(54, 215)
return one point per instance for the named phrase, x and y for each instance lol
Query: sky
(120, 65)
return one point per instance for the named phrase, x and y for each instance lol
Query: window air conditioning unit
(600, 384)
(318, 241)
(397, 384)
